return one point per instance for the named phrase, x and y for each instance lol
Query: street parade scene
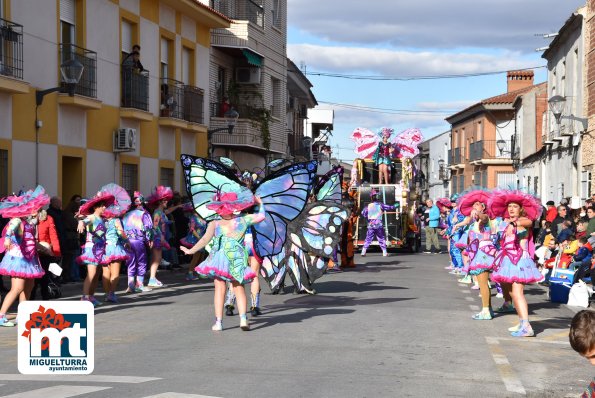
(279, 206)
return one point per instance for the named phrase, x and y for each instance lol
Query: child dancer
(514, 266)
(454, 217)
(228, 260)
(20, 261)
(94, 248)
(196, 229)
(158, 199)
(373, 213)
(138, 226)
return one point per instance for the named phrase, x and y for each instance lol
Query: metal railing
(490, 149)
(181, 101)
(11, 49)
(194, 99)
(135, 88)
(87, 86)
(242, 10)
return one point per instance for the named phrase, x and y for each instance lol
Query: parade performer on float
(228, 259)
(373, 213)
(94, 248)
(481, 249)
(196, 229)
(21, 261)
(158, 200)
(382, 156)
(514, 266)
(138, 226)
(116, 240)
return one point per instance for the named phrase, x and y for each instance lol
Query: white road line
(178, 395)
(511, 382)
(469, 298)
(57, 392)
(465, 291)
(474, 307)
(77, 378)
(534, 340)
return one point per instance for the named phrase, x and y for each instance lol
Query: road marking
(531, 340)
(474, 307)
(78, 378)
(465, 291)
(178, 395)
(57, 392)
(511, 382)
(469, 298)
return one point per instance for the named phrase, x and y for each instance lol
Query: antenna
(303, 67)
(546, 35)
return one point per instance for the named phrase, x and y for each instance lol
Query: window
(221, 87)
(454, 184)
(277, 100)
(164, 64)
(461, 183)
(535, 185)
(3, 171)
(67, 21)
(130, 177)
(276, 13)
(1, 8)
(528, 184)
(477, 178)
(575, 86)
(127, 39)
(479, 131)
(166, 176)
(563, 79)
(187, 62)
(484, 179)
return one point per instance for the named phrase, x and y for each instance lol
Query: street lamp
(72, 71)
(231, 117)
(501, 146)
(556, 104)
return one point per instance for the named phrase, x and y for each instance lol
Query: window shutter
(164, 50)
(186, 65)
(126, 37)
(67, 11)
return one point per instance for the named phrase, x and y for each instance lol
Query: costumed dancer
(382, 155)
(481, 249)
(158, 199)
(373, 213)
(116, 240)
(228, 259)
(196, 229)
(20, 261)
(93, 251)
(454, 217)
(138, 226)
(514, 266)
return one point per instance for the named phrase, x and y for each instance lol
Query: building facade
(248, 71)
(563, 139)
(433, 173)
(299, 100)
(588, 144)
(124, 123)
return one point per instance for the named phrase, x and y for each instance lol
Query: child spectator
(582, 260)
(582, 340)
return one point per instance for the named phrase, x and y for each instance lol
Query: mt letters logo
(56, 337)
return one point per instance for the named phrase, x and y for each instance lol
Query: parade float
(402, 228)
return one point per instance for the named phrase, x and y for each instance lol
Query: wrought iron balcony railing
(135, 88)
(181, 101)
(87, 86)
(241, 10)
(490, 149)
(11, 49)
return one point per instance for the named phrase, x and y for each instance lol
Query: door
(72, 177)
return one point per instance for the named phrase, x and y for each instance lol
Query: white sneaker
(164, 263)
(217, 327)
(384, 254)
(363, 253)
(499, 295)
(244, 325)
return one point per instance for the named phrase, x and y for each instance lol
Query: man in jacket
(560, 219)
(432, 219)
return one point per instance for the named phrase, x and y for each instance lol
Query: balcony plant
(252, 102)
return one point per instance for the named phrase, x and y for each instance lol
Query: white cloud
(402, 63)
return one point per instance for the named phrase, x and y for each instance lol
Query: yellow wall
(23, 118)
(202, 145)
(101, 125)
(7, 145)
(149, 141)
(76, 179)
(149, 9)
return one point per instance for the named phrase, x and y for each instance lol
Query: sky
(390, 39)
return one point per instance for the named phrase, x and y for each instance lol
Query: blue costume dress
(454, 217)
(382, 154)
(228, 259)
(21, 259)
(93, 251)
(115, 239)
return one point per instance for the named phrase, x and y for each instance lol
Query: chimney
(517, 79)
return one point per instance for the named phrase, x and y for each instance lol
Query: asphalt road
(397, 326)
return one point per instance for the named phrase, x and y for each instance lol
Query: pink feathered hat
(25, 204)
(467, 200)
(500, 200)
(160, 193)
(443, 204)
(229, 203)
(102, 197)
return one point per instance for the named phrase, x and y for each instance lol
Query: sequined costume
(514, 262)
(115, 238)
(196, 229)
(481, 249)
(93, 251)
(228, 259)
(373, 213)
(454, 217)
(138, 226)
(382, 154)
(21, 259)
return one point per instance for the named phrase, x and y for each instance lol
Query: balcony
(241, 10)
(246, 135)
(457, 158)
(11, 58)
(135, 94)
(86, 89)
(247, 27)
(181, 105)
(491, 152)
(444, 173)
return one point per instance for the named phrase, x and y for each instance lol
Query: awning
(252, 57)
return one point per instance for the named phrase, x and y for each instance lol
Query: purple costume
(94, 247)
(21, 260)
(138, 226)
(373, 213)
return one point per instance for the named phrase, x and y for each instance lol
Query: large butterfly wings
(284, 194)
(329, 186)
(204, 178)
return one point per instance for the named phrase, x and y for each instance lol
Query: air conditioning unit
(248, 75)
(125, 140)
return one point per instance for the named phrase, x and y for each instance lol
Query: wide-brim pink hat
(160, 193)
(467, 201)
(443, 204)
(229, 203)
(101, 197)
(25, 204)
(500, 200)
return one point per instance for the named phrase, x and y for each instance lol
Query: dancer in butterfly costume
(373, 213)
(382, 156)
(20, 261)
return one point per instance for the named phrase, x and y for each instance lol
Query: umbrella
(121, 203)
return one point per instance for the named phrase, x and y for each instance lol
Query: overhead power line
(436, 112)
(408, 78)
